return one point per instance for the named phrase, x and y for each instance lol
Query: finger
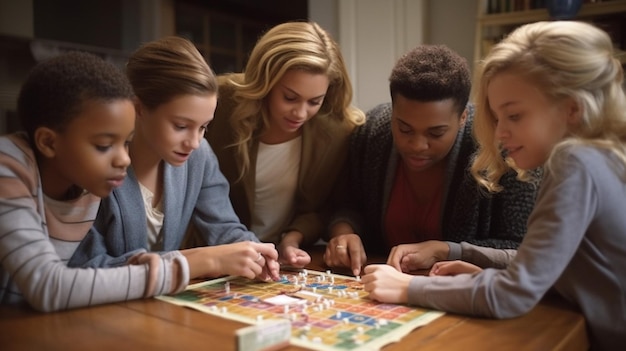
(356, 260)
(267, 250)
(393, 259)
(369, 269)
(273, 268)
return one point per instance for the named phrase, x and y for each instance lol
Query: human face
(173, 130)
(424, 132)
(92, 150)
(529, 124)
(295, 99)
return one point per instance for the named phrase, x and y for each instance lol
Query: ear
(45, 140)
(138, 107)
(574, 112)
(463, 118)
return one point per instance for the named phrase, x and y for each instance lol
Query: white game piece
(358, 278)
(338, 315)
(259, 318)
(313, 289)
(330, 289)
(382, 321)
(224, 310)
(227, 287)
(328, 271)
(360, 330)
(346, 321)
(286, 309)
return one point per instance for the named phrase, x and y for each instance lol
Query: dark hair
(432, 73)
(56, 89)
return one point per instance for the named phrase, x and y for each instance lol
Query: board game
(327, 311)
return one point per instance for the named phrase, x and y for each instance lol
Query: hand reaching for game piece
(453, 268)
(289, 251)
(412, 257)
(346, 250)
(386, 284)
(247, 259)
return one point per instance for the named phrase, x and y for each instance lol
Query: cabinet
(494, 22)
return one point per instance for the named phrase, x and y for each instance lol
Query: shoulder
(16, 152)
(377, 120)
(570, 157)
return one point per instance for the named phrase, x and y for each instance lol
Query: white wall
(373, 34)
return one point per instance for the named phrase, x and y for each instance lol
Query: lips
(116, 181)
(294, 124)
(417, 162)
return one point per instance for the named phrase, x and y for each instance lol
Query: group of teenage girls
(503, 198)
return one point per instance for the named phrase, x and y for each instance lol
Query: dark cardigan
(469, 213)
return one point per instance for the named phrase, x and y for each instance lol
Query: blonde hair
(287, 46)
(564, 59)
(167, 68)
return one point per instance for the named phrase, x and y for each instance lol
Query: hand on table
(386, 284)
(293, 256)
(453, 268)
(411, 257)
(346, 250)
(247, 259)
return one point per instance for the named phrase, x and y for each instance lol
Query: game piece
(227, 287)
(358, 278)
(332, 315)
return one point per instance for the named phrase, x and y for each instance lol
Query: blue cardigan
(196, 191)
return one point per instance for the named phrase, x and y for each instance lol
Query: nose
(419, 143)
(193, 141)
(299, 111)
(121, 159)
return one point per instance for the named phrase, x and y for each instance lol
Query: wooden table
(151, 324)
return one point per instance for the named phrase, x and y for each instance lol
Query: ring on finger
(340, 247)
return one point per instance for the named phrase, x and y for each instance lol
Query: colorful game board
(327, 311)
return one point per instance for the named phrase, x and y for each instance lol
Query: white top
(154, 217)
(276, 181)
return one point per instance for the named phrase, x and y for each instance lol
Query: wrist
(341, 228)
(292, 238)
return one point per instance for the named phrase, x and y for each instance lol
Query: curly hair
(55, 90)
(563, 59)
(432, 73)
(288, 46)
(169, 67)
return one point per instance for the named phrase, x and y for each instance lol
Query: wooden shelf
(501, 23)
(520, 17)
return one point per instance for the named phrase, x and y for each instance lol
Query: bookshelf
(496, 18)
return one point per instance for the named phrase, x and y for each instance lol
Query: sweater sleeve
(40, 277)
(484, 257)
(31, 269)
(565, 208)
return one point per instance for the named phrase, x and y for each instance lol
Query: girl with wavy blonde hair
(281, 131)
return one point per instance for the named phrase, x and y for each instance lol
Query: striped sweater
(34, 230)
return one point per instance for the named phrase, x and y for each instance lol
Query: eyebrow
(295, 92)
(429, 128)
(189, 120)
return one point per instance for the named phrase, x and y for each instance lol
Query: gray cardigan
(468, 214)
(196, 191)
(576, 243)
